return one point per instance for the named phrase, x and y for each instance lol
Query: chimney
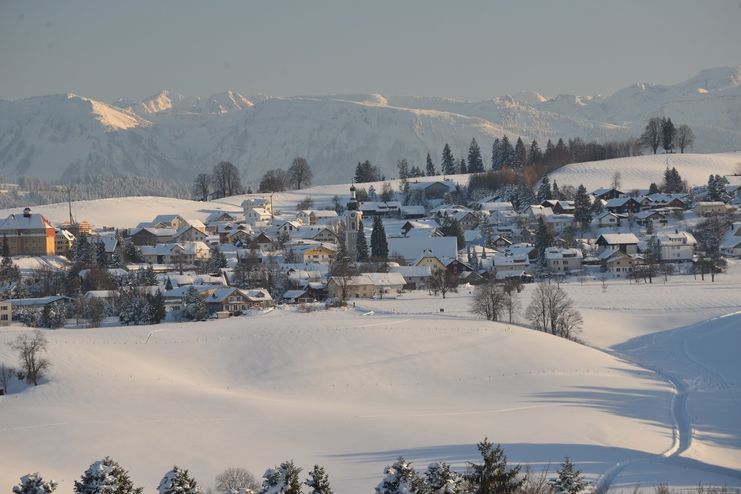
(27, 212)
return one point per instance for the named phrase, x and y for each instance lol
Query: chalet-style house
(623, 205)
(624, 242)
(603, 194)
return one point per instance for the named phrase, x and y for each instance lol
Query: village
(238, 261)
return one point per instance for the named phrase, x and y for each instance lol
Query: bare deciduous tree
(236, 479)
(488, 301)
(551, 310)
(300, 174)
(201, 187)
(443, 282)
(31, 348)
(226, 180)
(684, 138)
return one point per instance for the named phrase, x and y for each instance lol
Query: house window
(4, 317)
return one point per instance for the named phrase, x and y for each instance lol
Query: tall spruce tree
(520, 154)
(507, 153)
(106, 476)
(582, 206)
(534, 156)
(475, 162)
(556, 194)
(448, 161)
(379, 244)
(668, 134)
(543, 238)
(430, 168)
(361, 246)
(496, 155)
(492, 475)
(462, 168)
(318, 481)
(544, 191)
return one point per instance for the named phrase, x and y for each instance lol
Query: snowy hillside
(172, 135)
(354, 391)
(639, 171)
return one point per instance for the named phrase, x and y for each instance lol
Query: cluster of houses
(497, 243)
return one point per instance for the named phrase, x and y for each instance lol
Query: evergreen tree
(452, 228)
(448, 162)
(379, 244)
(194, 307)
(283, 479)
(148, 276)
(440, 479)
(543, 238)
(569, 480)
(52, 316)
(668, 134)
(101, 257)
(492, 476)
(544, 191)
(365, 172)
(430, 167)
(9, 272)
(362, 244)
(105, 477)
(556, 194)
(33, 483)
(82, 251)
(653, 188)
(217, 261)
(462, 168)
(673, 182)
(507, 153)
(582, 206)
(535, 155)
(487, 234)
(496, 155)
(400, 478)
(156, 310)
(475, 162)
(520, 155)
(403, 166)
(177, 481)
(716, 187)
(318, 481)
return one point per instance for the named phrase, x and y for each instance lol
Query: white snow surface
(637, 172)
(173, 135)
(354, 389)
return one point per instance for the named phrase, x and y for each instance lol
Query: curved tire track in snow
(683, 429)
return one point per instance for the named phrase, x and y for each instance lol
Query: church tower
(353, 218)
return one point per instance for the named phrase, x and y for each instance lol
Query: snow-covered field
(639, 171)
(352, 389)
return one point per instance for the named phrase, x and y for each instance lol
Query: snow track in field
(686, 374)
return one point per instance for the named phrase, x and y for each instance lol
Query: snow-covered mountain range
(169, 135)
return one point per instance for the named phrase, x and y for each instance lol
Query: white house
(676, 247)
(563, 261)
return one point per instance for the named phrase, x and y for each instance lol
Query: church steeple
(353, 219)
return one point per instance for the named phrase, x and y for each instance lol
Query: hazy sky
(455, 48)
